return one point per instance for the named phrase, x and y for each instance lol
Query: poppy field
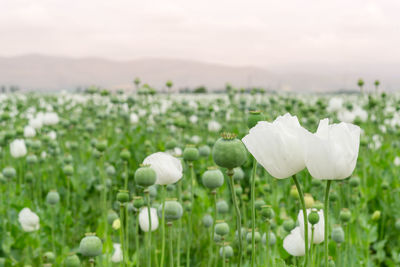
(102, 178)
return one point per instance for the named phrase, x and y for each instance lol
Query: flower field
(233, 179)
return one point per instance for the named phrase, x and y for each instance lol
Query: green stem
(121, 232)
(53, 226)
(163, 225)
(149, 232)
(178, 246)
(253, 213)
(303, 206)
(137, 240)
(311, 245)
(171, 250)
(190, 215)
(326, 206)
(238, 217)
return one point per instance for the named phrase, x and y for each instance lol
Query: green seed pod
(376, 215)
(188, 206)
(170, 187)
(171, 144)
(101, 145)
(238, 190)
(9, 172)
(272, 238)
(354, 181)
(288, 225)
(331, 263)
(48, 257)
(259, 203)
(254, 117)
(68, 170)
(238, 174)
(145, 176)
(204, 151)
(385, 185)
(207, 220)
(123, 196)
(138, 202)
(345, 215)
(318, 205)
(221, 228)
(212, 178)
(229, 152)
(52, 197)
(257, 237)
(125, 154)
(222, 207)
(217, 238)
(313, 217)
(316, 183)
(172, 210)
(186, 196)
(90, 246)
(338, 234)
(228, 250)
(333, 196)
(72, 261)
(267, 213)
(190, 153)
(110, 170)
(111, 216)
(31, 159)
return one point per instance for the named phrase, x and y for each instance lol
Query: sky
(252, 32)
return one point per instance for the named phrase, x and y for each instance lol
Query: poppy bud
(376, 215)
(293, 192)
(190, 153)
(228, 250)
(145, 176)
(207, 220)
(212, 178)
(229, 152)
(338, 234)
(288, 225)
(172, 210)
(345, 215)
(313, 217)
(221, 228)
(254, 117)
(72, 261)
(52, 197)
(90, 246)
(222, 207)
(309, 200)
(123, 196)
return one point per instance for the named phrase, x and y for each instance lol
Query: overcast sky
(260, 33)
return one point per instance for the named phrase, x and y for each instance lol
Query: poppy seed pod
(309, 201)
(259, 203)
(9, 172)
(354, 181)
(313, 217)
(345, 215)
(204, 151)
(397, 224)
(90, 246)
(123, 196)
(254, 117)
(228, 250)
(138, 202)
(222, 207)
(221, 228)
(101, 145)
(145, 176)
(190, 153)
(238, 190)
(238, 174)
(272, 239)
(257, 237)
(338, 234)
(267, 212)
(68, 170)
(125, 154)
(31, 159)
(52, 197)
(111, 216)
(207, 220)
(48, 257)
(72, 261)
(288, 225)
(229, 152)
(212, 178)
(172, 210)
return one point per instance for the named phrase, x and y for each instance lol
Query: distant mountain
(50, 73)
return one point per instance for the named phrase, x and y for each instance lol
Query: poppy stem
(326, 206)
(149, 231)
(163, 225)
(303, 206)
(253, 213)
(238, 216)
